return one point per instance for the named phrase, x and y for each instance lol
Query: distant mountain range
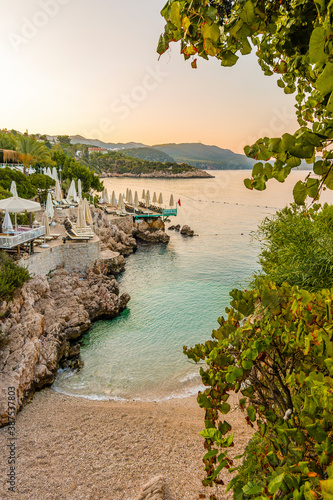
(195, 154)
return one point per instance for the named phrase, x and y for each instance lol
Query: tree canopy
(292, 39)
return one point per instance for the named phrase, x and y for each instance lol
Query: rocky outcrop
(152, 232)
(186, 231)
(174, 228)
(40, 328)
(154, 490)
(110, 263)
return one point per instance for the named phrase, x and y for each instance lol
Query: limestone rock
(154, 490)
(186, 231)
(39, 328)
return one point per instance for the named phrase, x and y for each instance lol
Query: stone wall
(74, 257)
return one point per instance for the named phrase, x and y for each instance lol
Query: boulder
(186, 231)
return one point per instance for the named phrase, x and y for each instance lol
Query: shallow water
(177, 291)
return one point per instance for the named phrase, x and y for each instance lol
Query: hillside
(149, 154)
(117, 164)
(78, 139)
(206, 157)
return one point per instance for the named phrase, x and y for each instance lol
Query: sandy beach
(72, 448)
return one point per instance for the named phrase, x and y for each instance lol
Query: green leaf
(325, 82)
(252, 488)
(210, 48)
(251, 413)
(211, 31)
(327, 489)
(224, 428)
(228, 58)
(321, 167)
(203, 401)
(224, 408)
(300, 192)
(317, 432)
(163, 45)
(210, 454)
(175, 14)
(317, 45)
(248, 183)
(275, 484)
(312, 187)
(273, 459)
(247, 14)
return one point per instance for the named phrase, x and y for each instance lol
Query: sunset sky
(91, 68)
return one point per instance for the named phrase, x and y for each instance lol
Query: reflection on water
(178, 291)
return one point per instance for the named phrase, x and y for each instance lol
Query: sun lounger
(76, 237)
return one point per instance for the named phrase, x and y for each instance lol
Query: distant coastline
(200, 174)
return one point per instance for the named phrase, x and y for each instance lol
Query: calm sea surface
(177, 291)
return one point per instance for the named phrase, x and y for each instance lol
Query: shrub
(12, 276)
(276, 349)
(296, 246)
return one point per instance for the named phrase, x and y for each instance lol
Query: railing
(20, 237)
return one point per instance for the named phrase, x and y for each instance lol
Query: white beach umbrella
(171, 203)
(143, 195)
(127, 195)
(16, 205)
(81, 219)
(160, 199)
(148, 199)
(79, 189)
(113, 199)
(136, 199)
(49, 206)
(44, 171)
(45, 223)
(57, 192)
(120, 202)
(154, 198)
(72, 191)
(48, 172)
(100, 200)
(130, 197)
(87, 212)
(13, 188)
(7, 223)
(105, 196)
(54, 174)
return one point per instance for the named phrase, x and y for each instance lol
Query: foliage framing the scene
(292, 39)
(275, 348)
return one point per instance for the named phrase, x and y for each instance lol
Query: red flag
(179, 203)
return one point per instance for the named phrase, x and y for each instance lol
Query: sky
(91, 68)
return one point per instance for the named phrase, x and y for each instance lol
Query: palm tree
(30, 151)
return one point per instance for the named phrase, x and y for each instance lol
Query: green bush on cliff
(296, 246)
(12, 277)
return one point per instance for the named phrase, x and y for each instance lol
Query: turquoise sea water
(177, 291)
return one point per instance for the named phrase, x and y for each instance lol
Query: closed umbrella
(49, 206)
(113, 199)
(160, 199)
(87, 212)
(54, 174)
(13, 189)
(44, 171)
(127, 195)
(154, 198)
(7, 225)
(130, 197)
(171, 203)
(148, 199)
(79, 189)
(136, 199)
(120, 202)
(72, 192)
(48, 172)
(143, 195)
(81, 219)
(58, 192)
(105, 196)
(45, 223)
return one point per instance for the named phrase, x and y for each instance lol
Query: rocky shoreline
(40, 328)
